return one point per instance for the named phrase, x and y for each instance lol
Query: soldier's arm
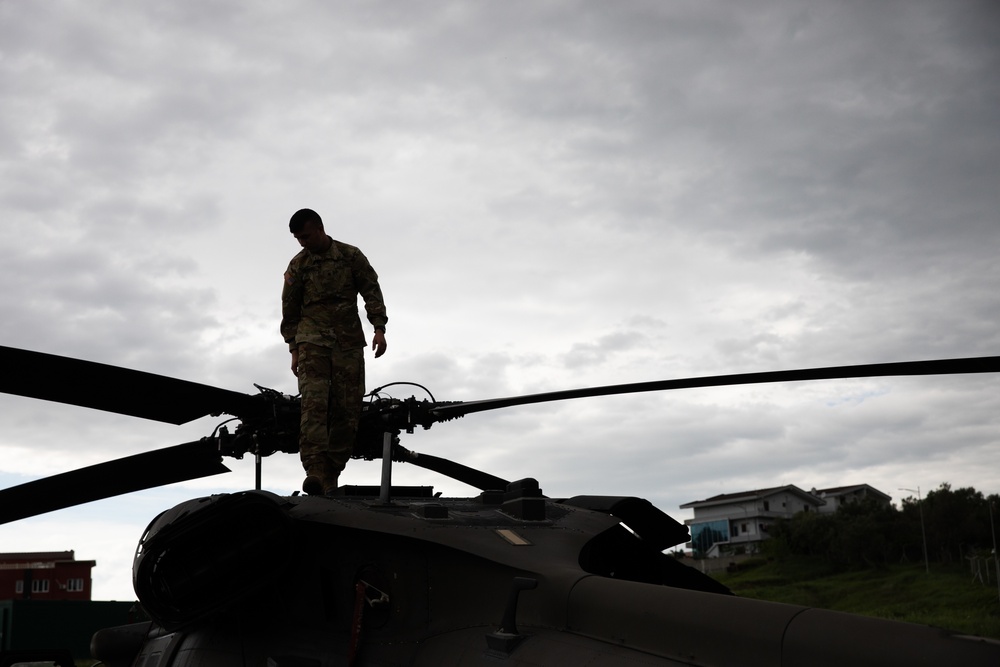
(366, 281)
(291, 314)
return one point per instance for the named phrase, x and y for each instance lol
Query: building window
(704, 535)
(40, 586)
(19, 587)
(767, 506)
(74, 585)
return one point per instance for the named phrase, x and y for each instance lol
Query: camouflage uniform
(319, 317)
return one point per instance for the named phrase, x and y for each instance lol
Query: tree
(867, 533)
(957, 521)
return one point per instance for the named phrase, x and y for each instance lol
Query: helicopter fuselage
(259, 579)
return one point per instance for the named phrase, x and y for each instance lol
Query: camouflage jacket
(319, 301)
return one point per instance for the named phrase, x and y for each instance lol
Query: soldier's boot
(331, 487)
(315, 482)
(312, 485)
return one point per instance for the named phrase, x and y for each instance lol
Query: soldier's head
(307, 228)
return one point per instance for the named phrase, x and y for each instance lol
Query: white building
(839, 495)
(736, 523)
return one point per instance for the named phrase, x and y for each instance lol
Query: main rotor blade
(113, 389)
(934, 367)
(112, 478)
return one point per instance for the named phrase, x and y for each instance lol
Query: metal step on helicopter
(396, 575)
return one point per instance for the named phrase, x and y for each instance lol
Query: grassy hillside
(948, 597)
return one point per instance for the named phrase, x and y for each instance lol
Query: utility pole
(923, 531)
(996, 556)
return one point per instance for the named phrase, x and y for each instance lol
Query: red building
(44, 575)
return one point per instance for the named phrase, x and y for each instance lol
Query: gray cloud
(556, 195)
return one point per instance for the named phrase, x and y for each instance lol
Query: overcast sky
(554, 194)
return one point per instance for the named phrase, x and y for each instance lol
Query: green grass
(948, 597)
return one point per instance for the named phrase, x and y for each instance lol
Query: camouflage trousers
(332, 386)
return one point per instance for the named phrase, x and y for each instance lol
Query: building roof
(730, 498)
(844, 490)
(35, 558)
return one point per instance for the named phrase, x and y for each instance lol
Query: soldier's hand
(379, 344)
(295, 363)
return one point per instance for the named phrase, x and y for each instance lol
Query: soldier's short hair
(302, 217)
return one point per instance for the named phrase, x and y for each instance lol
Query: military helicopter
(396, 575)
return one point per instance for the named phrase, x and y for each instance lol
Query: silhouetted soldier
(320, 323)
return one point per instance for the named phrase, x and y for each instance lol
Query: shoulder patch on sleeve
(289, 278)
